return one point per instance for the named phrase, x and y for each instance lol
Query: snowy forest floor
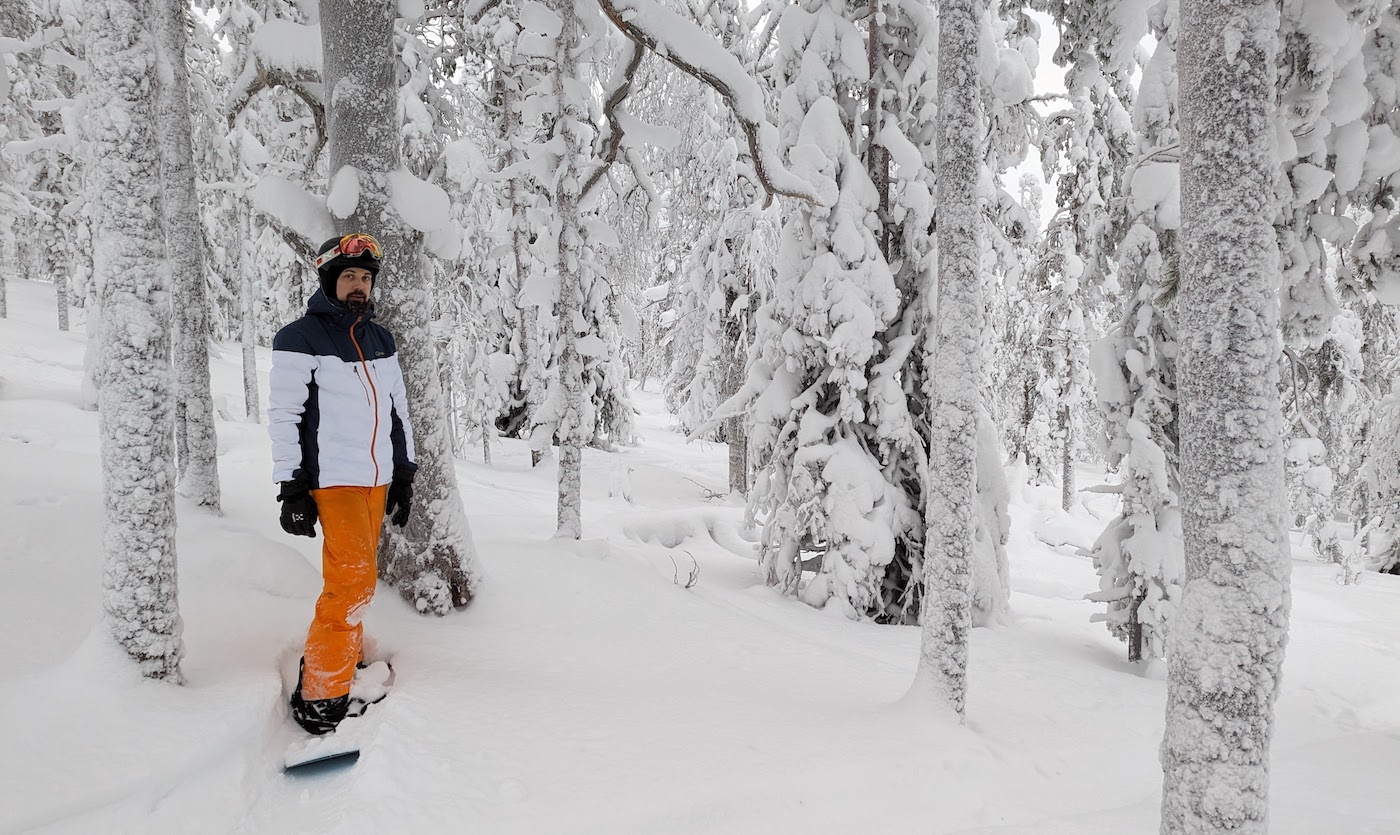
(586, 690)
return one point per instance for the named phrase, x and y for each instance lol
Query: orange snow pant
(351, 518)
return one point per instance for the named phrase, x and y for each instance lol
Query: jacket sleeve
(289, 384)
(401, 432)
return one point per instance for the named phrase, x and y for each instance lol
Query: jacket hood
(339, 315)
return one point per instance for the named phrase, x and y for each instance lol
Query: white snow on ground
(587, 691)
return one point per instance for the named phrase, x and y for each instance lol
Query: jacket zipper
(374, 436)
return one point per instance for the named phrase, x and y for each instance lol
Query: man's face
(353, 287)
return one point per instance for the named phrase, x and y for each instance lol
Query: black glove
(298, 508)
(399, 499)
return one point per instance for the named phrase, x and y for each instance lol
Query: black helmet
(366, 256)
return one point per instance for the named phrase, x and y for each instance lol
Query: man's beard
(357, 303)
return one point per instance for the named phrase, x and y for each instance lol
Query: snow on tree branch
(688, 48)
(300, 218)
(283, 54)
(475, 10)
(622, 88)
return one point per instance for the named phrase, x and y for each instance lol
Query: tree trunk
(1226, 645)
(135, 398)
(432, 561)
(952, 506)
(734, 432)
(1135, 626)
(568, 129)
(247, 324)
(60, 292)
(1067, 488)
(198, 446)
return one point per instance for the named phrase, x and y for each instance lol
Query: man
(342, 448)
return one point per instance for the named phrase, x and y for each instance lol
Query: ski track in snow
(585, 690)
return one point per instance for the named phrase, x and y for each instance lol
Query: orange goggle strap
(334, 252)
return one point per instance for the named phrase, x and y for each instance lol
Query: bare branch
(263, 78)
(694, 571)
(613, 142)
(682, 54)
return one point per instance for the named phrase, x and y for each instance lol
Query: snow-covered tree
(1225, 647)
(136, 394)
(195, 441)
(953, 389)
(1091, 141)
(821, 485)
(1138, 556)
(1380, 480)
(49, 238)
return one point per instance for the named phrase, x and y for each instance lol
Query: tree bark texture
(951, 512)
(136, 395)
(198, 445)
(1226, 645)
(571, 434)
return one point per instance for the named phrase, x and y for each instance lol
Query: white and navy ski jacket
(338, 413)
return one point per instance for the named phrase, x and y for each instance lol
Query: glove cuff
(405, 473)
(294, 489)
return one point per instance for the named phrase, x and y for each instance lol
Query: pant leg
(351, 518)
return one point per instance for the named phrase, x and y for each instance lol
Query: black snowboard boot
(318, 716)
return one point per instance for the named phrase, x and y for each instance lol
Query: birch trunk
(198, 446)
(60, 291)
(1226, 645)
(136, 396)
(952, 505)
(432, 560)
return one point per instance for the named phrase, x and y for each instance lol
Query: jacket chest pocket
(365, 382)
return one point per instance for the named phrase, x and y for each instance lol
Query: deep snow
(586, 690)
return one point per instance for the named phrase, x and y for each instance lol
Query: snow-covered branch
(622, 88)
(691, 50)
(475, 10)
(283, 54)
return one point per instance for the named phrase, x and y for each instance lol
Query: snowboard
(339, 749)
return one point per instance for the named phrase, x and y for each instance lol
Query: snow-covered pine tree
(1138, 556)
(432, 561)
(515, 343)
(136, 394)
(1323, 108)
(821, 484)
(196, 444)
(953, 394)
(899, 154)
(1380, 477)
(1014, 329)
(1090, 143)
(1366, 224)
(46, 180)
(1225, 648)
(1375, 501)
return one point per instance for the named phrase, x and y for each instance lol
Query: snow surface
(585, 690)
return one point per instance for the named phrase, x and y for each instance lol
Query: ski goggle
(352, 246)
